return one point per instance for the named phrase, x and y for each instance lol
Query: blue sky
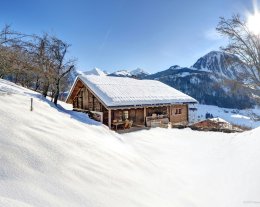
(126, 34)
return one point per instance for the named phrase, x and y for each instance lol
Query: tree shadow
(79, 116)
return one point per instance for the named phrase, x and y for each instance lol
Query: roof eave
(150, 105)
(71, 89)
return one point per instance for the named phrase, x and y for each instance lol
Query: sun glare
(253, 21)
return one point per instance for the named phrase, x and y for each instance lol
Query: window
(125, 115)
(178, 111)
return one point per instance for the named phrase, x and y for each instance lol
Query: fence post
(31, 104)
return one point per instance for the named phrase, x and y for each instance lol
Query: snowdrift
(56, 157)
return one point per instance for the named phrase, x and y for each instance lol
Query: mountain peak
(215, 52)
(220, 63)
(121, 73)
(95, 71)
(139, 71)
(175, 67)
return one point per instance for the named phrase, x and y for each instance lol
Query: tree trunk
(57, 92)
(37, 84)
(16, 78)
(52, 95)
(45, 88)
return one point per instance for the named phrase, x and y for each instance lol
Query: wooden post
(187, 108)
(144, 115)
(169, 112)
(101, 118)
(31, 104)
(109, 118)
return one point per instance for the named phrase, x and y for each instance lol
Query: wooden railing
(81, 110)
(157, 120)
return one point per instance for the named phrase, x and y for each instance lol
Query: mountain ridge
(213, 79)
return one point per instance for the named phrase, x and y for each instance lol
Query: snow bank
(52, 157)
(219, 120)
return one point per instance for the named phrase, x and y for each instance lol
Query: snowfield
(246, 117)
(56, 157)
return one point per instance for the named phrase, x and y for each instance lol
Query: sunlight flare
(253, 20)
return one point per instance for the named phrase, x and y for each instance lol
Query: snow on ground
(55, 157)
(246, 117)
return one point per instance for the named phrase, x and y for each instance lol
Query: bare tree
(62, 65)
(5, 63)
(37, 62)
(6, 35)
(40, 50)
(9, 36)
(244, 44)
(16, 61)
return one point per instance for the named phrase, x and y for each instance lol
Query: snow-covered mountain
(213, 80)
(75, 73)
(121, 73)
(221, 64)
(95, 71)
(137, 73)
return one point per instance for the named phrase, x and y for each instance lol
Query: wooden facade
(83, 99)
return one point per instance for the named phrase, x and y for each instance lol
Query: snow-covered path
(52, 157)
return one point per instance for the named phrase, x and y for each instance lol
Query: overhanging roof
(122, 91)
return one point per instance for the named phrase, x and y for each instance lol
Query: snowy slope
(60, 158)
(246, 117)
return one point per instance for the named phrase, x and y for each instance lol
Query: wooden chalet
(117, 100)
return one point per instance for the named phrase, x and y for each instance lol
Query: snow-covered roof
(217, 119)
(123, 91)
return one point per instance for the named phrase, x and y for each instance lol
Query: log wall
(85, 100)
(179, 113)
